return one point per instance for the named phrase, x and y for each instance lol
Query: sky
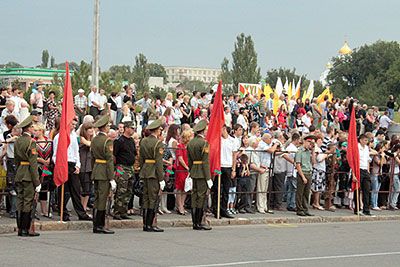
(297, 34)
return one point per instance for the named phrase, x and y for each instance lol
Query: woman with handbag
(181, 171)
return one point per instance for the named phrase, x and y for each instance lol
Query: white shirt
(228, 119)
(384, 121)
(227, 148)
(290, 169)
(265, 157)
(242, 121)
(73, 149)
(17, 101)
(118, 101)
(237, 143)
(320, 162)
(254, 159)
(102, 100)
(364, 157)
(194, 103)
(93, 97)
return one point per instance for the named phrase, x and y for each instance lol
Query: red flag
(67, 115)
(353, 156)
(217, 121)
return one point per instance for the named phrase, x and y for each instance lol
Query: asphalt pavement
(325, 244)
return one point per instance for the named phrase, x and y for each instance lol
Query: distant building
(179, 74)
(156, 82)
(27, 76)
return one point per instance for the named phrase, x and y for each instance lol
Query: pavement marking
(296, 259)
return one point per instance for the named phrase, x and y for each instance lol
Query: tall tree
(157, 70)
(52, 62)
(244, 61)
(45, 59)
(80, 77)
(369, 73)
(226, 76)
(123, 70)
(141, 73)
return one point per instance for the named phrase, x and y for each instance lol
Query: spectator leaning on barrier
(303, 161)
(291, 173)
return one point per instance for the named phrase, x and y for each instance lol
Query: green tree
(157, 70)
(123, 70)
(141, 73)
(45, 59)
(244, 61)
(11, 64)
(226, 77)
(370, 65)
(80, 78)
(52, 62)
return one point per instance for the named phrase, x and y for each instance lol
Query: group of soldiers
(104, 176)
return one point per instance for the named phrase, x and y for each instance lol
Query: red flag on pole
(215, 130)
(353, 156)
(67, 115)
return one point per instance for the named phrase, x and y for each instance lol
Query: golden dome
(345, 50)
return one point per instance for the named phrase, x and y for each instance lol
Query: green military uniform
(151, 172)
(26, 178)
(199, 168)
(102, 173)
(303, 157)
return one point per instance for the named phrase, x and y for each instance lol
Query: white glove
(113, 185)
(162, 185)
(37, 188)
(209, 183)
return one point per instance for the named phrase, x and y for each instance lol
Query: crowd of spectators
(263, 153)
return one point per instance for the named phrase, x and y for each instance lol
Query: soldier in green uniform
(150, 157)
(102, 173)
(199, 169)
(303, 159)
(27, 177)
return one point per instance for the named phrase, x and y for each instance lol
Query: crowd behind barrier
(262, 151)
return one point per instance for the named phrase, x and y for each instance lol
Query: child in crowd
(243, 176)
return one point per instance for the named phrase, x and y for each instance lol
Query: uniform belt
(101, 161)
(197, 162)
(150, 161)
(24, 163)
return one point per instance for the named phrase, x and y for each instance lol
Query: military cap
(200, 126)
(310, 137)
(25, 122)
(102, 121)
(154, 125)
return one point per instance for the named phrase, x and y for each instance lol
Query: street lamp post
(95, 52)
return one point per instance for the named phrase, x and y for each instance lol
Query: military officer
(150, 157)
(199, 169)
(27, 176)
(102, 173)
(124, 153)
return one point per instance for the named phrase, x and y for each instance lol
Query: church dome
(345, 50)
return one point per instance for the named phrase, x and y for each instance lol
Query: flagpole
(357, 197)
(62, 203)
(219, 197)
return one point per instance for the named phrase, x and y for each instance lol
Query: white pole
(95, 59)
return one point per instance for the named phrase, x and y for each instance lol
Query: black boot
(18, 217)
(200, 225)
(94, 219)
(150, 218)
(145, 226)
(24, 223)
(194, 219)
(100, 221)
(31, 232)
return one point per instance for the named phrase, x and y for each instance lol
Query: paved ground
(328, 244)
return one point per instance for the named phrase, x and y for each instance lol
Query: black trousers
(278, 181)
(226, 182)
(72, 190)
(365, 187)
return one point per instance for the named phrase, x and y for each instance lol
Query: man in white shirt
(266, 150)
(227, 161)
(242, 119)
(80, 103)
(228, 116)
(385, 121)
(15, 97)
(73, 185)
(291, 174)
(93, 102)
(365, 178)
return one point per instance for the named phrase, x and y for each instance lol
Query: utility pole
(95, 52)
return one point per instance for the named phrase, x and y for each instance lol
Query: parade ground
(325, 244)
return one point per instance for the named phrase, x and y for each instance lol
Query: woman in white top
(318, 176)
(177, 113)
(168, 100)
(23, 107)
